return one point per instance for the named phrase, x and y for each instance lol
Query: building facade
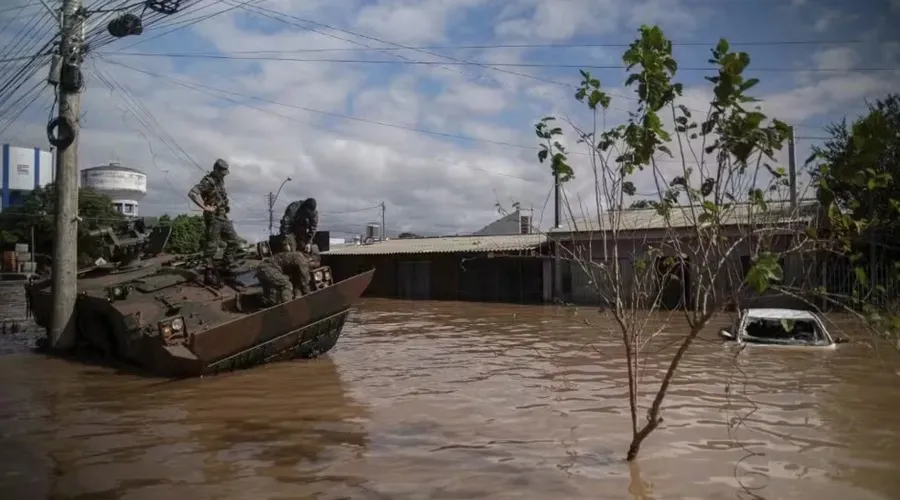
(125, 186)
(661, 260)
(505, 268)
(23, 171)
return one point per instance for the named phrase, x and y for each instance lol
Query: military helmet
(221, 165)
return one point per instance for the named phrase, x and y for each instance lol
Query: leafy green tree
(858, 169)
(188, 233)
(857, 176)
(37, 212)
(712, 174)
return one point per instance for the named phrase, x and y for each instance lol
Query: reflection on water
(448, 400)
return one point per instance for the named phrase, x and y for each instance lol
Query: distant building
(519, 222)
(125, 186)
(23, 170)
(504, 268)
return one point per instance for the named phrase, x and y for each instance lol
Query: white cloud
(299, 123)
(840, 58)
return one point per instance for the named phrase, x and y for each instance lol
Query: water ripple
(446, 400)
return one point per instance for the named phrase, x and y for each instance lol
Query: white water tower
(125, 186)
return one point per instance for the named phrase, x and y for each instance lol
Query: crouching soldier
(299, 225)
(283, 277)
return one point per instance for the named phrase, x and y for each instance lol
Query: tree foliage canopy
(858, 169)
(188, 233)
(37, 211)
(857, 176)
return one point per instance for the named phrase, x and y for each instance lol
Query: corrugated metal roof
(648, 219)
(448, 244)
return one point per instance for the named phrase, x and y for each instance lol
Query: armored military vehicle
(157, 313)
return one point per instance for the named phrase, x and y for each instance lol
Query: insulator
(166, 7)
(125, 25)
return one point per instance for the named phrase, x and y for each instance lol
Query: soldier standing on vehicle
(282, 276)
(209, 194)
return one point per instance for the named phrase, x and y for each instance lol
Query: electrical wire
(272, 13)
(558, 46)
(15, 115)
(146, 119)
(176, 22)
(585, 66)
(26, 5)
(203, 88)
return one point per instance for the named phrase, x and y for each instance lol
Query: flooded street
(454, 400)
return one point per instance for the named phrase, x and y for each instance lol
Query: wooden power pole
(383, 233)
(65, 242)
(792, 168)
(271, 211)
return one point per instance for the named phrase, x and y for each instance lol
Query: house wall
(448, 276)
(582, 279)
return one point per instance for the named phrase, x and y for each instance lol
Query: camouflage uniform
(282, 277)
(211, 189)
(289, 242)
(299, 225)
(305, 224)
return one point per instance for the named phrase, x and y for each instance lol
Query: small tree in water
(715, 226)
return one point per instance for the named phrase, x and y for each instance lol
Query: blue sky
(433, 184)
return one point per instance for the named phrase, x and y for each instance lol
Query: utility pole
(382, 222)
(792, 168)
(272, 198)
(271, 211)
(65, 243)
(556, 211)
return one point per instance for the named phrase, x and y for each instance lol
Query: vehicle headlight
(172, 326)
(327, 275)
(318, 275)
(118, 292)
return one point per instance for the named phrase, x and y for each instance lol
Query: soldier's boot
(268, 298)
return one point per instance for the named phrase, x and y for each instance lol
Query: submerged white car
(781, 327)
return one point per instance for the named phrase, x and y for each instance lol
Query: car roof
(777, 313)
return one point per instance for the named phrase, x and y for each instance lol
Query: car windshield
(784, 331)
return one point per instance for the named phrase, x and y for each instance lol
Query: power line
(378, 206)
(269, 14)
(197, 86)
(194, 85)
(555, 46)
(181, 23)
(491, 65)
(23, 6)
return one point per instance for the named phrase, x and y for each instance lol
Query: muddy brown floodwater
(454, 400)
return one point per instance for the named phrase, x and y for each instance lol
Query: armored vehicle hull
(161, 317)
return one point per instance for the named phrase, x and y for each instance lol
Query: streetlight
(272, 198)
